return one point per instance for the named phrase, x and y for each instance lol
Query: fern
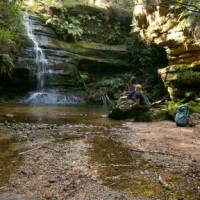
(66, 25)
(6, 65)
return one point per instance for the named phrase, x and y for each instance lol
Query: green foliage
(114, 86)
(7, 41)
(6, 65)
(10, 16)
(145, 56)
(115, 83)
(195, 106)
(59, 3)
(146, 59)
(85, 77)
(170, 106)
(82, 21)
(188, 14)
(66, 26)
(87, 17)
(115, 36)
(10, 27)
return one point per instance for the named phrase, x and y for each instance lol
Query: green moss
(6, 65)
(97, 55)
(10, 28)
(100, 46)
(98, 51)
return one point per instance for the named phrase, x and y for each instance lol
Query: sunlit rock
(164, 25)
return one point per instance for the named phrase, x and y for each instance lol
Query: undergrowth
(10, 20)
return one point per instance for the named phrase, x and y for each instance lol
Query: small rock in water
(52, 180)
(8, 196)
(9, 115)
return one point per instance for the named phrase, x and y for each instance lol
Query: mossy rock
(138, 115)
(183, 78)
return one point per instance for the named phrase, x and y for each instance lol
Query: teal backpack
(182, 115)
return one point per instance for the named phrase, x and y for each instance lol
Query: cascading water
(41, 61)
(42, 95)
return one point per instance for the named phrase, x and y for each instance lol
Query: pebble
(9, 196)
(52, 180)
(9, 115)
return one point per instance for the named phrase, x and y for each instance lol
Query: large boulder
(182, 79)
(123, 110)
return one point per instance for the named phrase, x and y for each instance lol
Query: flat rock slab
(8, 196)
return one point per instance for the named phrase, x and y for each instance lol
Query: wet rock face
(62, 70)
(65, 59)
(179, 35)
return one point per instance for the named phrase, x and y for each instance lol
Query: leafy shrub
(10, 27)
(6, 65)
(113, 82)
(115, 36)
(115, 85)
(170, 106)
(10, 20)
(145, 56)
(146, 59)
(10, 16)
(66, 26)
(85, 77)
(7, 41)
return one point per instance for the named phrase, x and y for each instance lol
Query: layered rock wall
(177, 29)
(65, 60)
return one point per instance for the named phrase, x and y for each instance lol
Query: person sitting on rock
(128, 97)
(131, 93)
(141, 101)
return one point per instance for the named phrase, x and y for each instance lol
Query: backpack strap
(188, 111)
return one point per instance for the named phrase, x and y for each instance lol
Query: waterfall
(44, 95)
(41, 61)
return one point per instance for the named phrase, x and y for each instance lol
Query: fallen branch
(121, 165)
(1, 188)
(30, 150)
(116, 165)
(163, 182)
(155, 152)
(157, 103)
(36, 148)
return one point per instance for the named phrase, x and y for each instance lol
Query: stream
(76, 152)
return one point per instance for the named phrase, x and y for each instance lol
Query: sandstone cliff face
(177, 29)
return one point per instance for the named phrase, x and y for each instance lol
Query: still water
(89, 114)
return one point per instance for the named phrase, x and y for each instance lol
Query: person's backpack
(146, 99)
(182, 115)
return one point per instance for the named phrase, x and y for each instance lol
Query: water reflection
(96, 115)
(124, 170)
(8, 155)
